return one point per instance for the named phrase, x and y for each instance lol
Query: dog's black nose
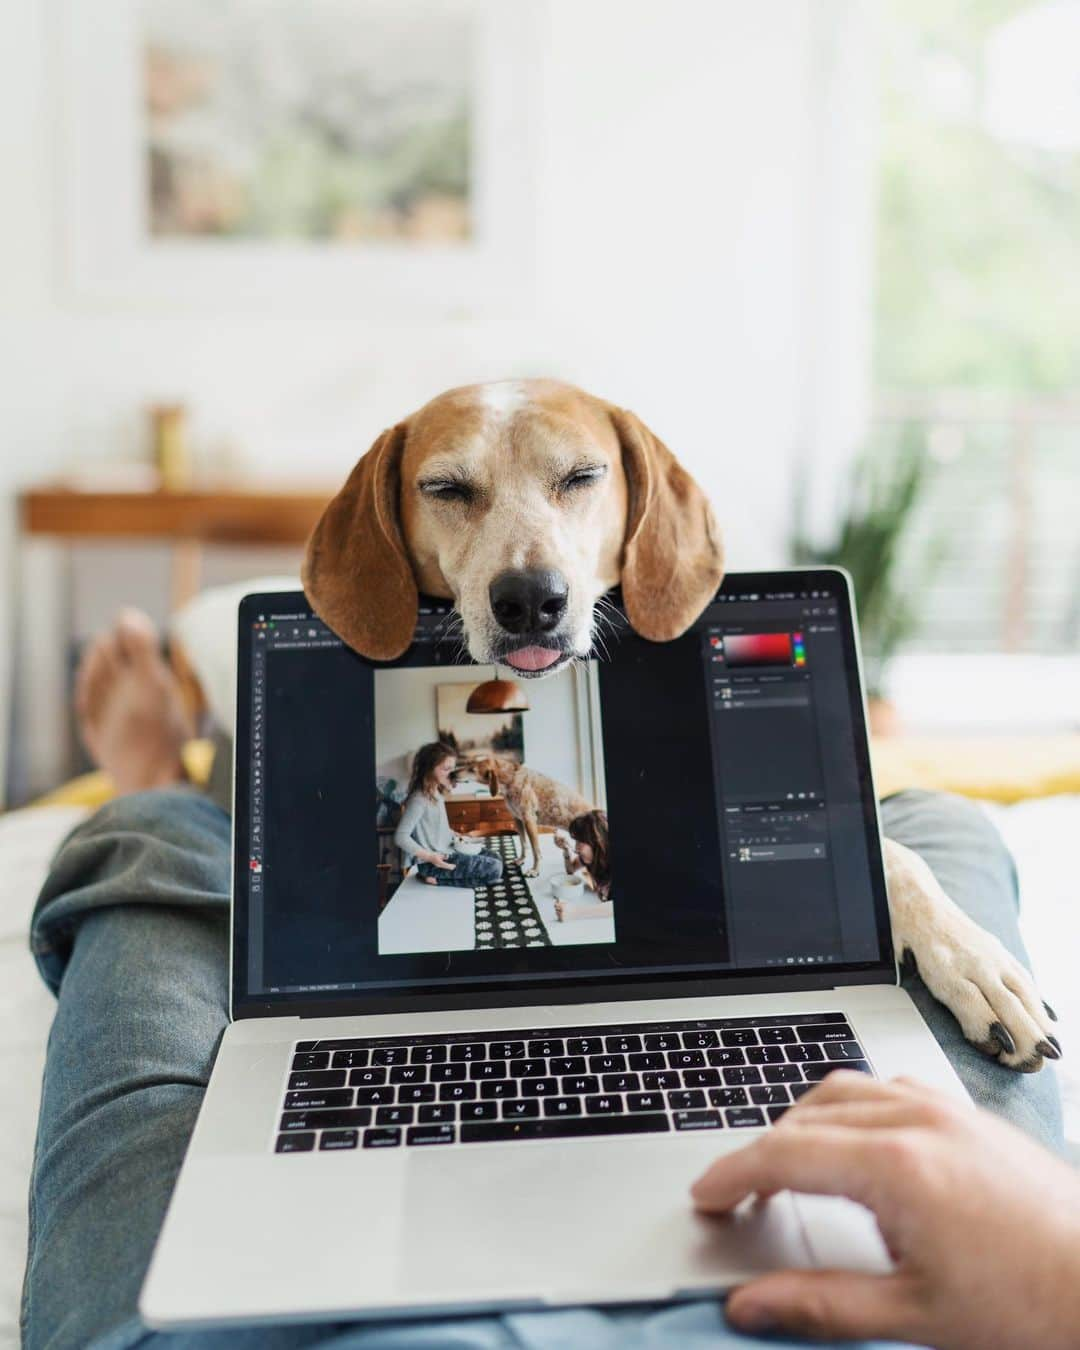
(528, 601)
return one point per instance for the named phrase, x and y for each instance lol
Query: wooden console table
(188, 521)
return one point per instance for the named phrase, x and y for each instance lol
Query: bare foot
(129, 707)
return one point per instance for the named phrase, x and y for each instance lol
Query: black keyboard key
(667, 1040)
(422, 1092)
(584, 1045)
(745, 1117)
(645, 1101)
(394, 1115)
(429, 1134)
(700, 1040)
(607, 1063)
(660, 1082)
(521, 1108)
(606, 1104)
(528, 1068)
(765, 1054)
(380, 1138)
(506, 1050)
(409, 1073)
(375, 1096)
(389, 1054)
(545, 1049)
(581, 1086)
(440, 1113)
(620, 1082)
(316, 1078)
(783, 1073)
(698, 1120)
(836, 1031)
(816, 1072)
(539, 1087)
(739, 1036)
(340, 1119)
(775, 1112)
(502, 1087)
(777, 1035)
(803, 1054)
(351, 1059)
(650, 1059)
(770, 1095)
(447, 1073)
(686, 1100)
(564, 1127)
(428, 1054)
(844, 1050)
(313, 1059)
(729, 1097)
(337, 1139)
(740, 1077)
(294, 1143)
(798, 1090)
(461, 1054)
(562, 1106)
(457, 1092)
(622, 1045)
(481, 1070)
(686, 1059)
(727, 1057)
(479, 1110)
(312, 1101)
(367, 1077)
(568, 1064)
(693, 1078)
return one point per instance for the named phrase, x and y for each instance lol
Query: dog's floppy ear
(356, 571)
(673, 559)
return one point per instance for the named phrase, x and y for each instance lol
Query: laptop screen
(677, 812)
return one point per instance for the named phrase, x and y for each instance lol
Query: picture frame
(110, 258)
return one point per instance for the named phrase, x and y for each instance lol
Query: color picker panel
(758, 649)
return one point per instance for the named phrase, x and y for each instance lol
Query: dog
(532, 798)
(524, 502)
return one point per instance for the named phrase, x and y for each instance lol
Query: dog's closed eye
(584, 476)
(449, 489)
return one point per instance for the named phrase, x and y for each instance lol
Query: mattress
(1039, 833)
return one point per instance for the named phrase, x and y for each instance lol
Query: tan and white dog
(524, 502)
(532, 798)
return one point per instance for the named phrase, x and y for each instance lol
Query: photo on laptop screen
(491, 815)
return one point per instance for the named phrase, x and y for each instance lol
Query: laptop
(494, 1091)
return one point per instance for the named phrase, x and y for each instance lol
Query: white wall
(678, 224)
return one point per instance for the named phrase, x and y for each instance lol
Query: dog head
(523, 502)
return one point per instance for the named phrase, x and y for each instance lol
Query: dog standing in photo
(524, 502)
(532, 798)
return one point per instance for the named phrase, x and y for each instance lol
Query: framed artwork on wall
(343, 156)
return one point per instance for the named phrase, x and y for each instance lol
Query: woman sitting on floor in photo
(587, 854)
(424, 834)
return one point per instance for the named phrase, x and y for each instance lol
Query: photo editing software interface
(672, 809)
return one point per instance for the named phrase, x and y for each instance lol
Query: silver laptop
(493, 1089)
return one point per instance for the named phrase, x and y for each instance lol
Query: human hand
(560, 906)
(982, 1224)
(438, 860)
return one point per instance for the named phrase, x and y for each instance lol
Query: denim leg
(479, 869)
(969, 858)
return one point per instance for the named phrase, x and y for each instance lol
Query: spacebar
(646, 1123)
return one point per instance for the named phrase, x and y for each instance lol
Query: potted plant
(872, 540)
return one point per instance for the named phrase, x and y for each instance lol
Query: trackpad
(587, 1222)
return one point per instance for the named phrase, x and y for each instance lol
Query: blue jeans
(470, 869)
(130, 932)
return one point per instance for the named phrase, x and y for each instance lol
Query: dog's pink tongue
(532, 658)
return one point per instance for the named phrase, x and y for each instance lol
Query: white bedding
(1040, 834)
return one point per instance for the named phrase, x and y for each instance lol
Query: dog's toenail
(1050, 1012)
(1048, 1051)
(1004, 1037)
(1055, 1043)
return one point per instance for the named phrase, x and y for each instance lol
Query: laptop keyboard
(557, 1083)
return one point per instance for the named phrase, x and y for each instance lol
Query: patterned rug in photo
(506, 914)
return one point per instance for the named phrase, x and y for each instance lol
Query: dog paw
(532, 872)
(989, 992)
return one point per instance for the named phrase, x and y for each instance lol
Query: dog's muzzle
(529, 606)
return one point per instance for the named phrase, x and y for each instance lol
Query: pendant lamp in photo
(497, 696)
